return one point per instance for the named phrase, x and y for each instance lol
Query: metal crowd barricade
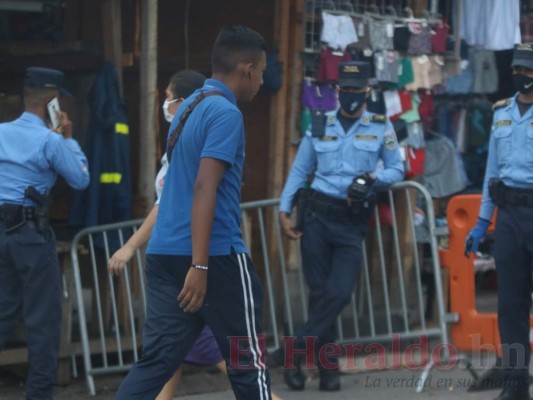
(105, 328)
(387, 301)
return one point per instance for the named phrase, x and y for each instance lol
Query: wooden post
(279, 101)
(112, 35)
(287, 32)
(148, 96)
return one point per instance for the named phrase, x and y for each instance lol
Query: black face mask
(351, 102)
(523, 83)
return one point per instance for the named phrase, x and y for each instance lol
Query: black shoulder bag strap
(174, 136)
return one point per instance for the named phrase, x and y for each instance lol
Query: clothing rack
(388, 10)
(430, 20)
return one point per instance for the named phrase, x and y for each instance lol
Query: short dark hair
(234, 45)
(37, 97)
(183, 83)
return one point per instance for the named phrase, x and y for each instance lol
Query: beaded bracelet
(202, 267)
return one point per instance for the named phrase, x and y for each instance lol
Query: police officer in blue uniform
(508, 184)
(342, 149)
(31, 157)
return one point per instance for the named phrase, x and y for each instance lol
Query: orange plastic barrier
(473, 331)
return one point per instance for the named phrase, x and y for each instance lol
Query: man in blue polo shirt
(198, 271)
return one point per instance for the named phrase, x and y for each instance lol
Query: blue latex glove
(475, 236)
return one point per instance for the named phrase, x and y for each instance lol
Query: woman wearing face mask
(508, 184)
(181, 85)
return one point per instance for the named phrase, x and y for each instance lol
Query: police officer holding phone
(342, 149)
(31, 157)
(508, 185)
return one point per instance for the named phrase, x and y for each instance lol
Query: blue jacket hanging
(108, 198)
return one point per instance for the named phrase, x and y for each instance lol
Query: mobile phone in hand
(53, 110)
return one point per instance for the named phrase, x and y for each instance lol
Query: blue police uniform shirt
(510, 151)
(213, 130)
(33, 155)
(339, 156)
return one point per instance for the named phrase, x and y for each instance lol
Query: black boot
(330, 380)
(514, 394)
(294, 377)
(328, 369)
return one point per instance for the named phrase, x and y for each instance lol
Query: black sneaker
(330, 380)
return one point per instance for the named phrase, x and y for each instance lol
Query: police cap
(354, 74)
(37, 77)
(523, 55)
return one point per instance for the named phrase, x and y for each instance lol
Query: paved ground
(396, 384)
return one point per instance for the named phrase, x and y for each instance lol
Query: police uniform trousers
(513, 253)
(331, 250)
(30, 287)
(232, 309)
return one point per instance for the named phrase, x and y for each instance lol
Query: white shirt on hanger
(503, 24)
(491, 24)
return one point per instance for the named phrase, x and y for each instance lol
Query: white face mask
(168, 115)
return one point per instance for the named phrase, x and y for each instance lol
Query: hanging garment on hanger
(406, 73)
(401, 38)
(381, 34)
(426, 108)
(319, 96)
(485, 71)
(451, 67)
(503, 24)
(420, 39)
(387, 66)
(363, 33)
(462, 83)
(438, 38)
(442, 173)
(375, 103)
(328, 68)
(338, 31)
(412, 115)
(421, 68)
(435, 71)
(393, 102)
(497, 23)
(406, 103)
(414, 161)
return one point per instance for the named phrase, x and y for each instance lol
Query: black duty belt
(327, 205)
(518, 197)
(14, 212)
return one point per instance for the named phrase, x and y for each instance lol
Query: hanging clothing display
(338, 31)
(328, 69)
(484, 70)
(416, 78)
(442, 174)
(497, 25)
